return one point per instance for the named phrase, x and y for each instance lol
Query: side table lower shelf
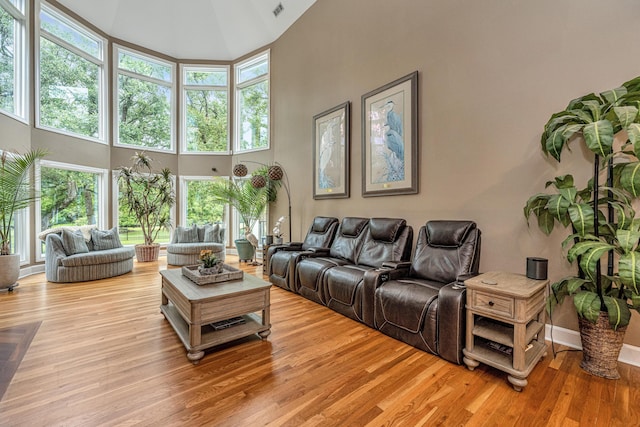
(483, 353)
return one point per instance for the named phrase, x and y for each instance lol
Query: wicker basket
(147, 253)
(601, 347)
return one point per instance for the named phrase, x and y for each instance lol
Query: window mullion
(12, 10)
(145, 78)
(62, 43)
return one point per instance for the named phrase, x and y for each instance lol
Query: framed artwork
(331, 131)
(390, 138)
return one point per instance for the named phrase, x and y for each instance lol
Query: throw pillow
(73, 242)
(212, 233)
(105, 239)
(187, 235)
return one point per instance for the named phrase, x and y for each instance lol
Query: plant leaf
(633, 131)
(626, 115)
(555, 143)
(591, 258)
(587, 305)
(630, 178)
(629, 270)
(619, 313)
(582, 218)
(599, 137)
(612, 96)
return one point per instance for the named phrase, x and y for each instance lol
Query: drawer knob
(491, 303)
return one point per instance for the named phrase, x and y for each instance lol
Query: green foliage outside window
(202, 207)
(254, 116)
(68, 197)
(7, 67)
(144, 107)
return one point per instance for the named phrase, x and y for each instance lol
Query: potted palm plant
(17, 191)
(249, 200)
(604, 235)
(148, 196)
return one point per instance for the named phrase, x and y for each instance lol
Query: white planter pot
(9, 270)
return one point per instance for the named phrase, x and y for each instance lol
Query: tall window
(71, 195)
(145, 109)
(252, 104)
(71, 77)
(13, 48)
(197, 205)
(205, 110)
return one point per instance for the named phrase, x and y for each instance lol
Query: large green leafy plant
(17, 191)
(604, 228)
(248, 200)
(147, 195)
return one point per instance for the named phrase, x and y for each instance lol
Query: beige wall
(490, 75)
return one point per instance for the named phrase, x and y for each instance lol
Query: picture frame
(390, 138)
(331, 147)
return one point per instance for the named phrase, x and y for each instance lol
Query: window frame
(117, 71)
(103, 197)
(20, 14)
(103, 43)
(184, 68)
(239, 86)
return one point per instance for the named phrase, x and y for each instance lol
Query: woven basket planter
(601, 347)
(147, 253)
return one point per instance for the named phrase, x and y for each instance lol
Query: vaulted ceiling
(192, 29)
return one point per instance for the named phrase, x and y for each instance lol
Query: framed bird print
(389, 138)
(331, 153)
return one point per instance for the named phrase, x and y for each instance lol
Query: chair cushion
(211, 233)
(105, 239)
(404, 302)
(187, 235)
(448, 233)
(73, 242)
(322, 224)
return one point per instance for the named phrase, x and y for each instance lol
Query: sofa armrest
(54, 254)
(319, 251)
(396, 264)
(451, 322)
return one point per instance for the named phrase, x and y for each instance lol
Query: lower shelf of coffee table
(209, 336)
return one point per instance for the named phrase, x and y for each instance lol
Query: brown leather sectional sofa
(365, 272)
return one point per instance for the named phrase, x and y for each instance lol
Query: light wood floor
(104, 355)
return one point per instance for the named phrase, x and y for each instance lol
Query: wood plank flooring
(105, 356)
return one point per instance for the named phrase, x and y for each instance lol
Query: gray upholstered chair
(282, 259)
(187, 242)
(420, 302)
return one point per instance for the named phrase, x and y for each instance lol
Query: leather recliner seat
(282, 259)
(386, 239)
(422, 303)
(344, 250)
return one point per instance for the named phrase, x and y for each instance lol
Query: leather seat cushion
(342, 282)
(309, 270)
(279, 262)
(404, 303)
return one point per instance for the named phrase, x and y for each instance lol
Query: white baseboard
(629, 354)
(33, 269)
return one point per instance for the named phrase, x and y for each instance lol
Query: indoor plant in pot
(249, 201)
(604, 231)
(148, 196)
(17, 191)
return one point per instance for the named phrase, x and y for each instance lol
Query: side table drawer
(493, 304)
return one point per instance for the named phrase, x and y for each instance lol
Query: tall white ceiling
(192, 29)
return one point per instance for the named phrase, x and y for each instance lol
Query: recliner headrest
(322, 223)
(352, 226)
(385, 229)
(448, 233)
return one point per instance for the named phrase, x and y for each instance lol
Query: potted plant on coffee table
(148, 196)
(17, 191)
(604, 235)
(249, 201)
